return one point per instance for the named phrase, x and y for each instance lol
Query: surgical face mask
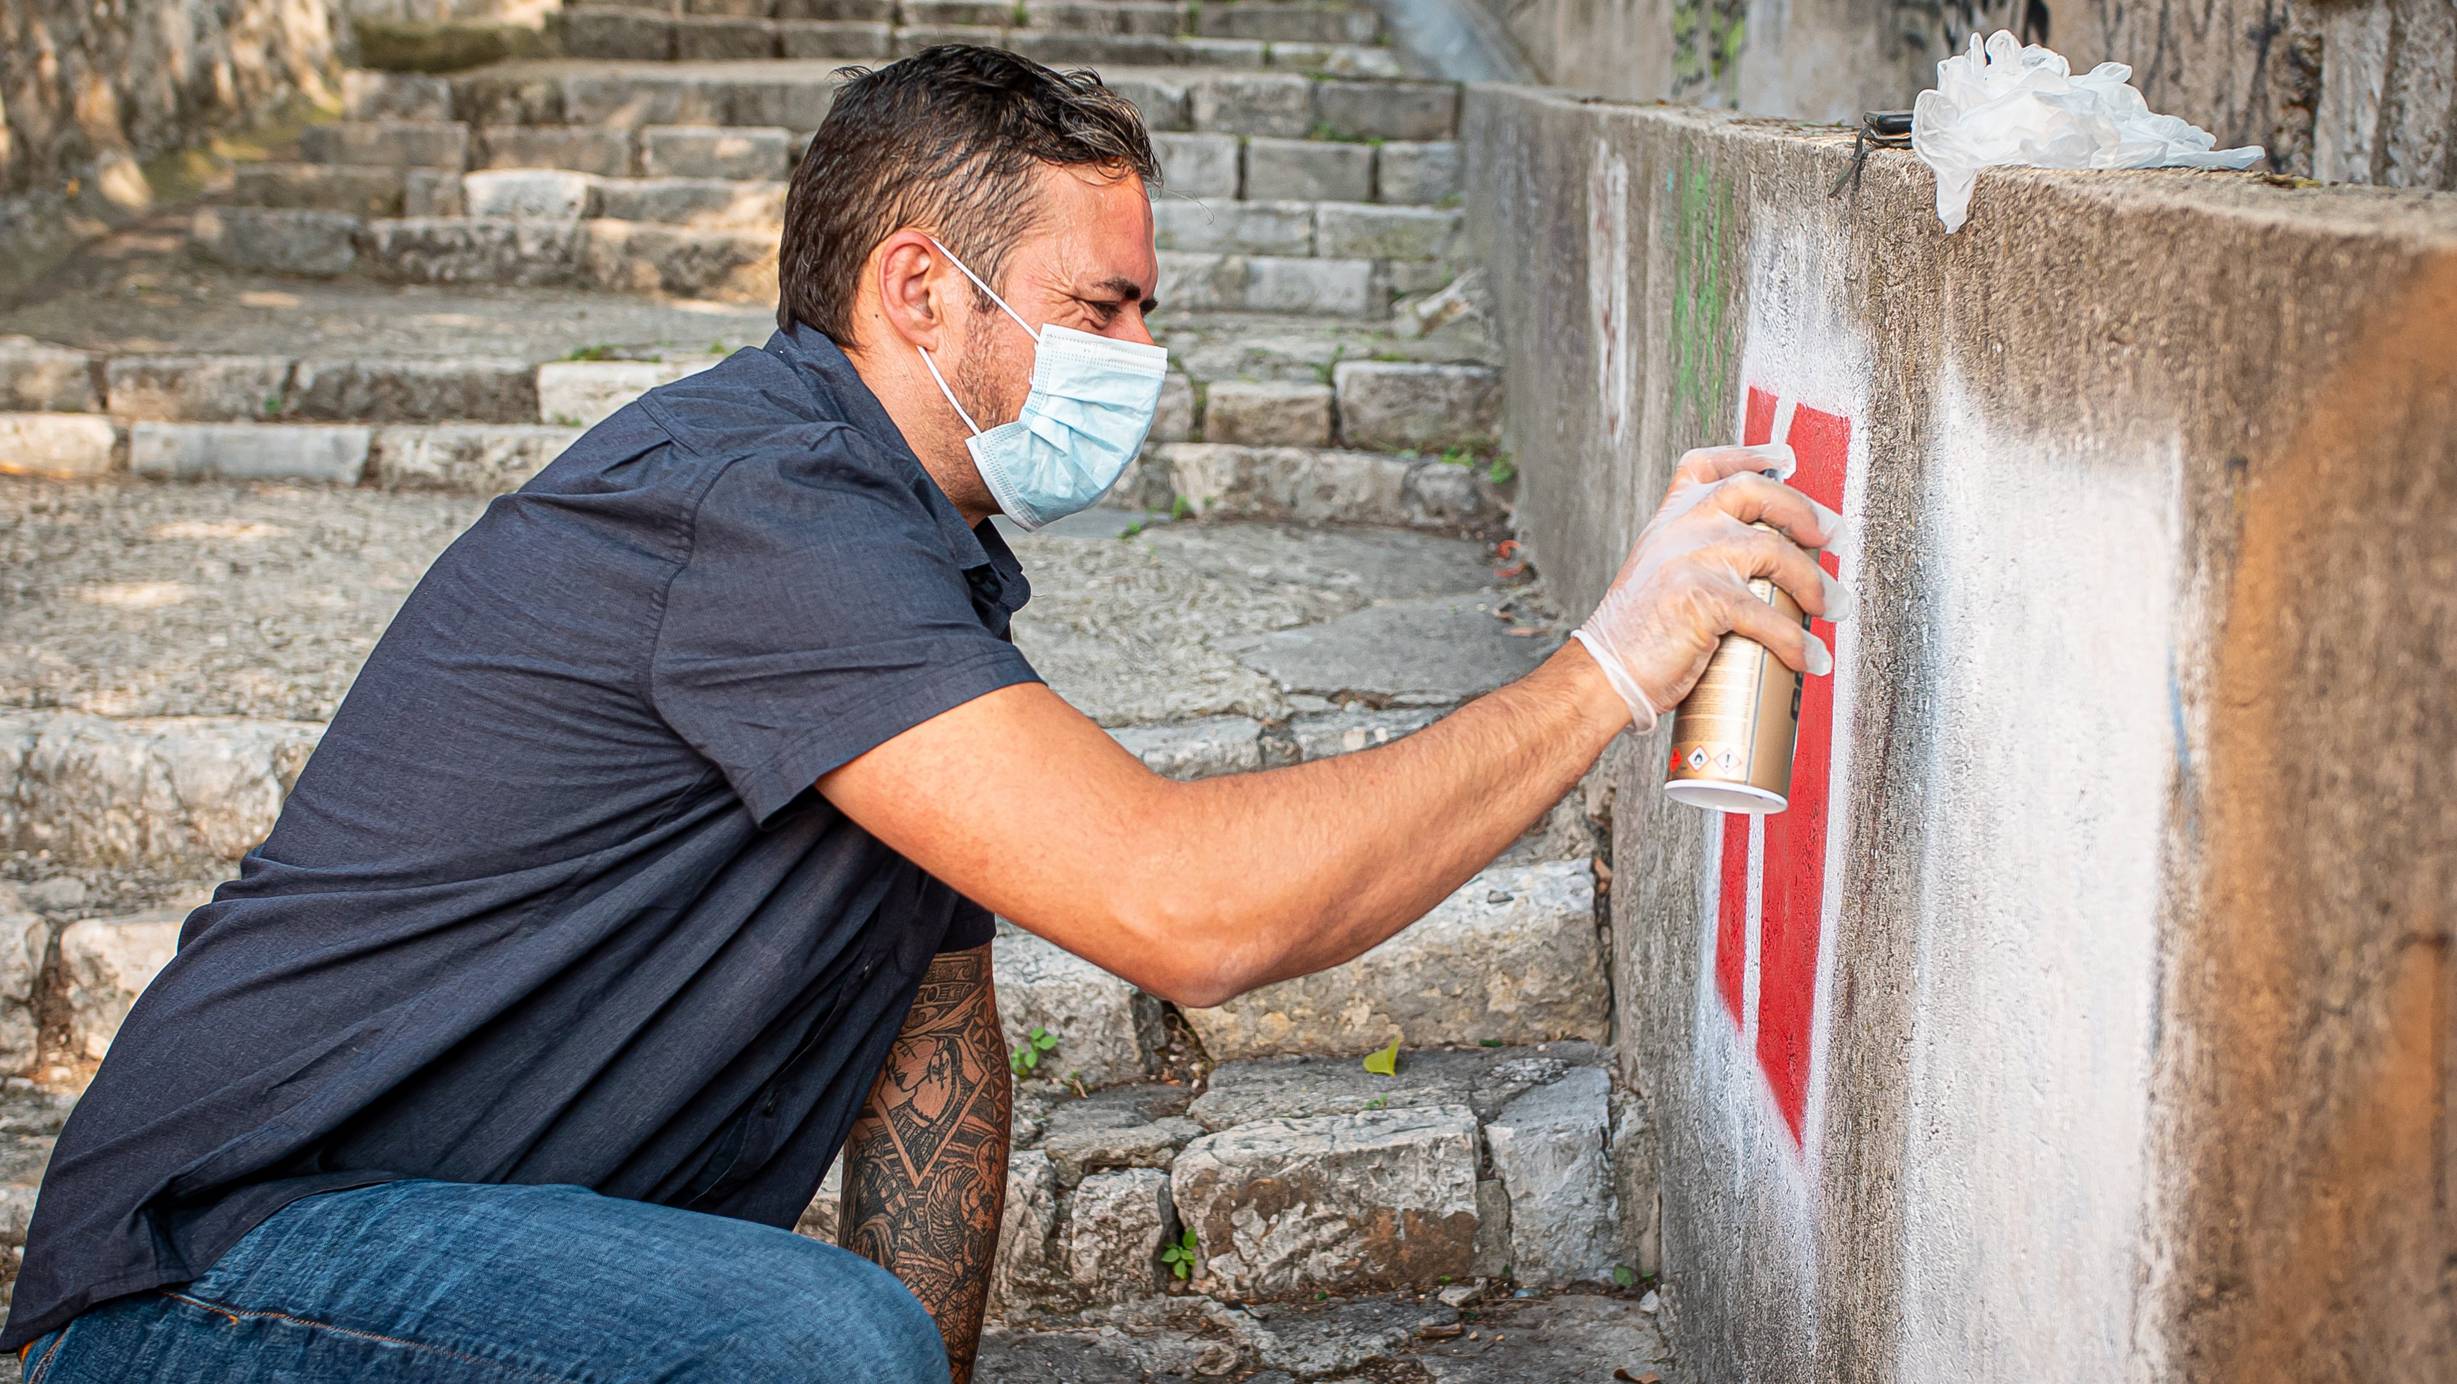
(1091, 405)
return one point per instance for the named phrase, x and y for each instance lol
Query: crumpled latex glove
(2006, 103)
(1686, 582)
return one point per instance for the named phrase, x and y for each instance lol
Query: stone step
(631, 35)
(593, 98)
(739, 265)
(1260, 19)
(1406, 408)
(735, 176)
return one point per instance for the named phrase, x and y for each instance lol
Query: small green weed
(1180, 1256)
(1026, 1059)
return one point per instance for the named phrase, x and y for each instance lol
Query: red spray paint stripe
(1795, 867)
(1732, 915)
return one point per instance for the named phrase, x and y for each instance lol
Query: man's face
(1087, 263)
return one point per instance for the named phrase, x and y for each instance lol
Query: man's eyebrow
(1130, 290)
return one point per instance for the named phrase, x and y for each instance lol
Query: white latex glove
(1686, 582)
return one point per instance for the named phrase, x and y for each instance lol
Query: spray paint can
(1733, 735)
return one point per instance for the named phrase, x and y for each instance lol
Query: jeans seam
(43, 1366)
(238, 1313)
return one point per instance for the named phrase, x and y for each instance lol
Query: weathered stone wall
(91, 90)
(2347, 90)
(2091, 1013)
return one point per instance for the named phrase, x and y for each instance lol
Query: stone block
(1234, 227)
(1289, 483)
(1511, 957)
(1199, 748)
(912, 38)
(1365, 109)
(1116, 1224)
(1080, 1149)
(553, 193)
(68, 445)
(618, 34)
(1102, 1023)
(1420, 173)
(1365, 230)
(1379, 1200)
(24, 939)
(1268, 413)
(1408, 278)
(823, 39)
(318, 243)
(1161, 99)
(727, 265)
(1203, 167)
(606, 153)
(473, 458)
(1635, 1190)
(1372, 653)
(370, 95)
(37, 377)
(695, 151)
(1492, 1254)
(105, 963)
(1029, 1274)
(1174, 420)
(196, 389)
(1251, 103)
(248, 451)
(1337, 60)
(1327, 733)
(1308, 170)
(843, 11)
(710, 203)
(509, 95)
(413, 391)
(631, 99)
(1335, 287)
(1293, 23)
(580, 393)
(1216, 52)
(516, 251)
(431, 192)
(989, 13)
(1482, 1079)
(388, 143)
(723, 39)
(182, 793)
(321, 187)
(1549, 1149)
(1408, 405)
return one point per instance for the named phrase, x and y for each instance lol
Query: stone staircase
(238, 437)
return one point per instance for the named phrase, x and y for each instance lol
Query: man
(653, 854)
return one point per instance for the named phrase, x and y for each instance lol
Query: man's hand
(1200, 891)
(1687, 579)
(926, 1165)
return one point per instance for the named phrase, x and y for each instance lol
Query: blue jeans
(456, 1284)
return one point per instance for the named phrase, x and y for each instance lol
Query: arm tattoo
(926, 1164)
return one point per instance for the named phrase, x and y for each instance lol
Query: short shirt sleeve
(818, 614)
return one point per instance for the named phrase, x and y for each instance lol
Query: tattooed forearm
(926, 1165)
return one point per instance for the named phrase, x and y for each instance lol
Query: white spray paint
(2023, 1172)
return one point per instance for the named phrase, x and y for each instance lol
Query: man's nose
(1134, 328)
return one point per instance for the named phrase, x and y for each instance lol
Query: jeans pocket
(39, 1354)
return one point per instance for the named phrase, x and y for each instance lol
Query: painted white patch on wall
(1799, 346)
(1608, 266)
(2035, 971)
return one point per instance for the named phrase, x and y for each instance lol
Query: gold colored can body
(1733, 735)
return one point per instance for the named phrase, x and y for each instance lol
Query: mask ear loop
(1001, 302)
(943, 389)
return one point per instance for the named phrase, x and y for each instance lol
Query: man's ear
(910, 302)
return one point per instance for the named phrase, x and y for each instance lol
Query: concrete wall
(2091, 1013)
(2348, 90)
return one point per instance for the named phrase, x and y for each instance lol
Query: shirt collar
(821, 364)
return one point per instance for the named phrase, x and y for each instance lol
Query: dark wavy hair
(946, 140)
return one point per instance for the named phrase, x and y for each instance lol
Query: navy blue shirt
(554, 900)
